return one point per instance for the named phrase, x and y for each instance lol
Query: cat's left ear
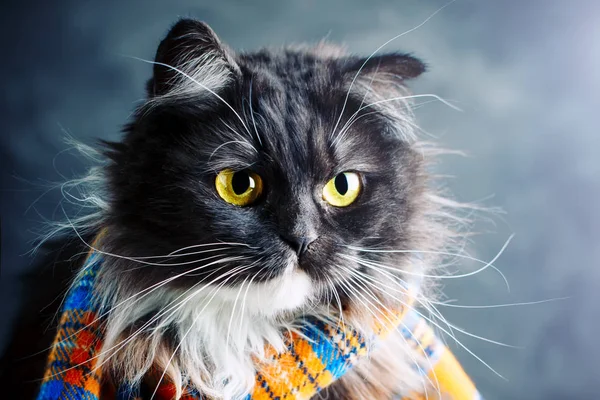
(396, 67)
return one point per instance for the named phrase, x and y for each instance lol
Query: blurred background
(525, 73)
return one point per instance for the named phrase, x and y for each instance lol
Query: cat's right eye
(240, 188)
(343, 189)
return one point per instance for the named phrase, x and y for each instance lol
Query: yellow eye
(240, 188)
(343, 189)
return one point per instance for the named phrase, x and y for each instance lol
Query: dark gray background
(526, 73)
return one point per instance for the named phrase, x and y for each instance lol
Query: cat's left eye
(343, 189)
(240, 188)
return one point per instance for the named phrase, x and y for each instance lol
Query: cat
(291, 181)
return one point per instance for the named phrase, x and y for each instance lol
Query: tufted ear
(380, 81)
(379, 71)
(191, 48)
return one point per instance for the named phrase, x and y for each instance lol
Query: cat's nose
(299, 244)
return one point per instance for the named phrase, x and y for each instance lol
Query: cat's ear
(391, 67)
(190, 59)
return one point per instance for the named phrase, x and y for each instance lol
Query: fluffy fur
(196, 287)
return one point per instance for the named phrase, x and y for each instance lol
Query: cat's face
(269, 167)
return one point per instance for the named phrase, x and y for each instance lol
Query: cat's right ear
(190, 60)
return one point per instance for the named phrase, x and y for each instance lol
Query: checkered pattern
(71, 372)
(314, 359)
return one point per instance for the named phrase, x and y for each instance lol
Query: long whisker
(486, 264)
(429, 307)
(197, 83)
(525, 303)
(197, 260)
(124, 257)
(178, 389)
(231, 317)
(252, 113)
(145, 292)
(449, 334)
(244, 143)
(235, 132)
(438, 315)
(171, 308)
(367, 263)
(380, 284)
(392, 326)
(338, 300)
(375, 52)
(121, 344)
(175, 253)
(190, 329)
(245, 296)
(355, 116)
(211, 244)
(370, 293)
(412, 96)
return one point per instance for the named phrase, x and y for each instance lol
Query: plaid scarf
(313, 360)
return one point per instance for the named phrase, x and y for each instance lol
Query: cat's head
(279, 170)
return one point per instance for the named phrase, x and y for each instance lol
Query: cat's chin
(289, 291)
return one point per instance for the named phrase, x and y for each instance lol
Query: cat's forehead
(303, 74)
(294, 61)
(297, 117)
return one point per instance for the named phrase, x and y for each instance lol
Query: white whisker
(525, 303)
(243, 143)
(252, 114)
(375, 52)
(487, 265)
(197, 83)
(449, 334)
(211, 244)
(392, 327)
(216, 290)
(437, 314)
(232, 315)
